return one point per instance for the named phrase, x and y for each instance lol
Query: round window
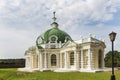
(53, 39)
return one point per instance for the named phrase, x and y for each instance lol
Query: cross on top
(54, 18)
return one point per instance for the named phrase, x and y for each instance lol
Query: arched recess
(53, 60)
(72, 58)
(100, 57)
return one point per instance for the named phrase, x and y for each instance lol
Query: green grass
(13, 74)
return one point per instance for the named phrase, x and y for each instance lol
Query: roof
(61, 36)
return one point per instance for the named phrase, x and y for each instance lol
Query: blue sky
(22, 21)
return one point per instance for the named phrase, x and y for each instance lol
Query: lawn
(13, 74)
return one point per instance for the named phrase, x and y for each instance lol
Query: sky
(22, 21)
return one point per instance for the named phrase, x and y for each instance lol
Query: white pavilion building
(56, 51)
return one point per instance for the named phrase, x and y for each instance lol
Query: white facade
(84, 55)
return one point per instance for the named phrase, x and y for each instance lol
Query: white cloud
(21, 21)
(14, 42)
(82, 9)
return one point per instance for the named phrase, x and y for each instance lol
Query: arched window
(71, 58)
(53, 60)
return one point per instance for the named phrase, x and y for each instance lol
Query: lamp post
(112, 38)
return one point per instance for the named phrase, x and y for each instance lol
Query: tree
(108, 59)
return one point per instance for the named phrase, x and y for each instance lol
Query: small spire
(54, 18)
(54, 24)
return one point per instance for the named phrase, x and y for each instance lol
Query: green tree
(108, 59)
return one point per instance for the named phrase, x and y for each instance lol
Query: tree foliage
(108, 59)
(12, 63)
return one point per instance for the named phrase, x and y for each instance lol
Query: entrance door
(53, 60)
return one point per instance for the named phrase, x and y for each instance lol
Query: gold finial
(54, 18)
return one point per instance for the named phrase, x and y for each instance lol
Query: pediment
(69, 44)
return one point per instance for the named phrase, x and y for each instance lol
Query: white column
(26, 62)
(45, 60)
(65, 59)
(39, 61)
(81, 59)
(89, 59)
(92, 59)
(60, 60)
(75, 59)
(31, 60)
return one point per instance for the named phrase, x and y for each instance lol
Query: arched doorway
(100, 59)
(72, 58)
(53, 60)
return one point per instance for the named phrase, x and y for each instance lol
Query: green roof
(61, 36)
(57, 32)
(53, 35)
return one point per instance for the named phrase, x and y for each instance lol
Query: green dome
(53, 35)
(60, 35)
